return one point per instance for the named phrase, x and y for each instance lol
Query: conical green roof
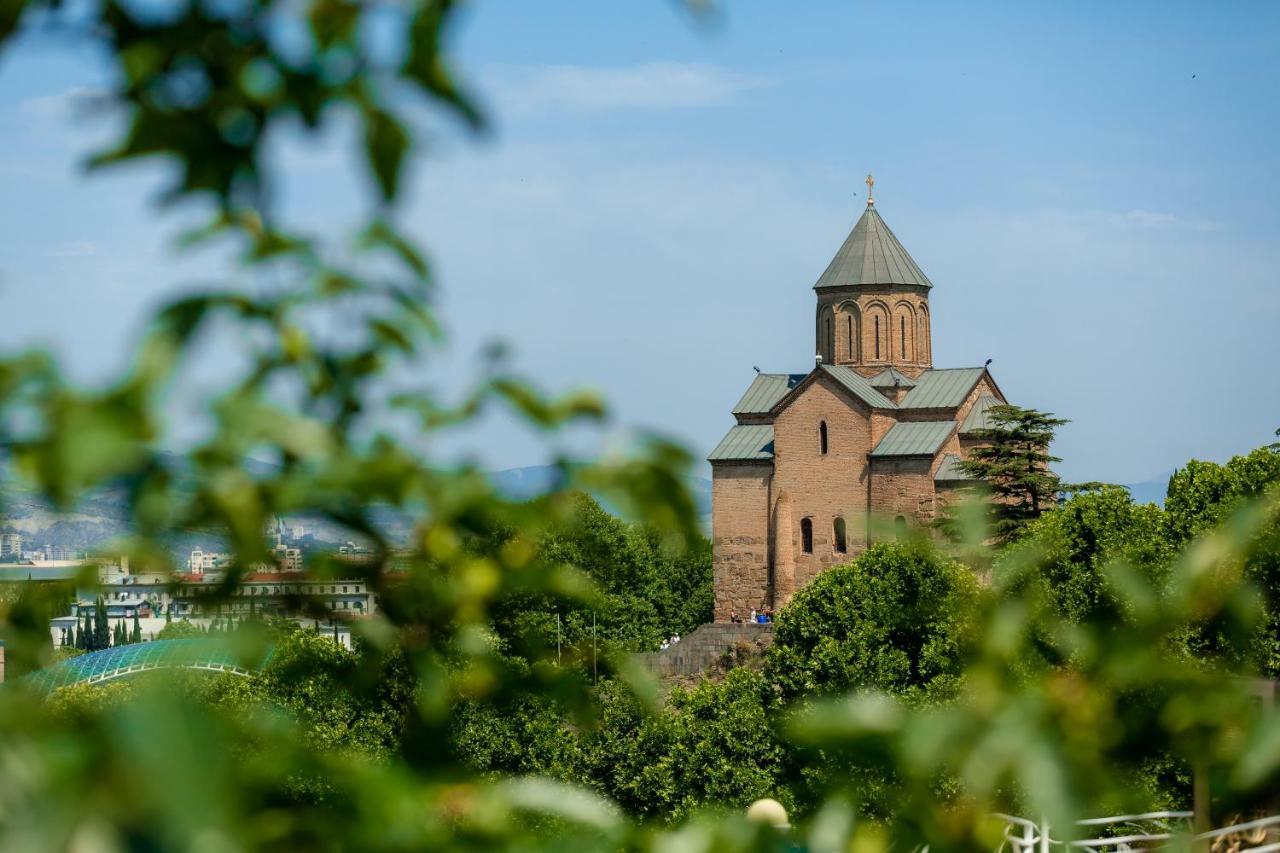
(871, 254)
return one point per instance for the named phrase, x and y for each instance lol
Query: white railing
(1140, 832)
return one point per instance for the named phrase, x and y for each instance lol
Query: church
(873, 432)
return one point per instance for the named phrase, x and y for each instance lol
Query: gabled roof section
(871, 254)
(765, 392)
(859, 385)
(977, 418)
(892, 378)
(745, 443)
(949, 471)
(919, 438)
(942, 389)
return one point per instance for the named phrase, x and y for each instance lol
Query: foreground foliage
(371, 751)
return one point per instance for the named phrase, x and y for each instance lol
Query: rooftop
(920, 438)
(871, 254)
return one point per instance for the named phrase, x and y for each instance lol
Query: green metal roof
(892, 378)
(765, 392)
(942, 389)
(859, 385)
(977, 418)
(745, 442)
(949, 471)
(914, 439)
(871, 254)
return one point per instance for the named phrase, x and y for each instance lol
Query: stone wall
(705, 646)
(740, 498)
(903, 486)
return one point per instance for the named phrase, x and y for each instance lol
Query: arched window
(902, 334)
(822, 438)
(830, 348)
(849, 319)
(842, 544)
(877, 337)
(806, 535)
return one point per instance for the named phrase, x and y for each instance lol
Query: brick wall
(903, 486)
(821, 486)
(740, 536)
(898, 309)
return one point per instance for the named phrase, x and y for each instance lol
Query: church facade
(866, 441)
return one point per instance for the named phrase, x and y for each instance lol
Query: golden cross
(871, 182)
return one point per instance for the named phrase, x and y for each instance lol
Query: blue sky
(1090, 186)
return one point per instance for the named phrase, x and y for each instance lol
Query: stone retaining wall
(706, 645)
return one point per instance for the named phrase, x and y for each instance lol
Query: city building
(200, 562)
(873, 431)
(10, 546)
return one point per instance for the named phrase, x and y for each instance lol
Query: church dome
(871, 254)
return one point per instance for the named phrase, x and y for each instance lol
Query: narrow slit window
(806, 535)
(877, 337)
(822, 438)
(902, 336)
(849, 320)
(830, 347)
(842, 544)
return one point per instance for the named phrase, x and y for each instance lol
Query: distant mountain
(102, 515)
(529, 482)
(1150, 491)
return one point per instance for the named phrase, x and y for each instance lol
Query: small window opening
(841, 542)
(830, 348)
(822, 438)
(877, 337)
(806, 535)
(902, 338)
(849, 320)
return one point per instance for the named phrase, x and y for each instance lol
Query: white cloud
(524, 91)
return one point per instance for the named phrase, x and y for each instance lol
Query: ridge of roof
(872, 254)
(891, 377)
(859, 385)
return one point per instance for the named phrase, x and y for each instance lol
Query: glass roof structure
(211, 655)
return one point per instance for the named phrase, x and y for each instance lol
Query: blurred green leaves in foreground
(1045, 707)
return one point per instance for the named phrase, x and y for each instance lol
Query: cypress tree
(101, 625)
(137, 629)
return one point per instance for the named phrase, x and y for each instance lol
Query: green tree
(136, 636)
(1013, 465)
(1203, 497)
(1078, 542)
(101, 624)
(895, 619)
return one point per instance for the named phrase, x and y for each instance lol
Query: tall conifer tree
(1013, 464)
(101, 625)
